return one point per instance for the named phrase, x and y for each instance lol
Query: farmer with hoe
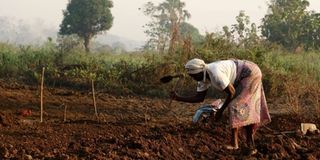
(241, 80)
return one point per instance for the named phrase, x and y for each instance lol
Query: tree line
(287, 23)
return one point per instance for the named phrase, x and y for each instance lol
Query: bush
(290, 80)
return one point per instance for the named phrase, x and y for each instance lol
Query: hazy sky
(207, 15)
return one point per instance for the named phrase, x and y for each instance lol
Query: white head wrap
(195, 66)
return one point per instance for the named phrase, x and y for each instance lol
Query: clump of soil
(7, 119)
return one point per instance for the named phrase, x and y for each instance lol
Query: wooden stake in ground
(146, 117)
(94, 99)
(41, 95)
(65, 113)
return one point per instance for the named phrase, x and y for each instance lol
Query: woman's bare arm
(230, 90)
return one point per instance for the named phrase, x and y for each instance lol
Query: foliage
(311, 32)
(66, 44)
(240, 28)
(292, 81)
(165, 25)
(188, 30)
(86, 18)
(290, 25)
(292, 78)
(243, 34)
(157, 30)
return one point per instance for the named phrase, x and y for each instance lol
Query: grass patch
(291, 80)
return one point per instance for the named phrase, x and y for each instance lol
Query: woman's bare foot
(230, 147)
(251, 151)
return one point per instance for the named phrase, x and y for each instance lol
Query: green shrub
(290, 80)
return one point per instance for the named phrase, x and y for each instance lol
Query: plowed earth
(132, 127)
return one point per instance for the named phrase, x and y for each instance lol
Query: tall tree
(285, 22)
(243, 33)
(166, 20)
(241, 27)
(311, 31)
(188, 30)
(157, 30)
(86, 18)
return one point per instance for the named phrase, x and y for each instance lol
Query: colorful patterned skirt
(249, 105)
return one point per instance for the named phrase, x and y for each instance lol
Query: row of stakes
(65, 108)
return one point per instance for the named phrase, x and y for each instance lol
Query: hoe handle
(174, 89)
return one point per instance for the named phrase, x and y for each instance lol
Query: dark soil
(132, 127)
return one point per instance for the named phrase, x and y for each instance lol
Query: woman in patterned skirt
(242, 81)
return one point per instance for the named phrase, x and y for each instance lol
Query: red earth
(132, 127)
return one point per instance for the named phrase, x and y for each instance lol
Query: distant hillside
(115, 41)
(21, 32)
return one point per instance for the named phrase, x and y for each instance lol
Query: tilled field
(132, 128)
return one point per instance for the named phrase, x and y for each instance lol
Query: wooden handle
(174, 89)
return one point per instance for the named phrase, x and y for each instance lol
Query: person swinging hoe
(246, 102)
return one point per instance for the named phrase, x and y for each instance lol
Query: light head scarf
(195, 66)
